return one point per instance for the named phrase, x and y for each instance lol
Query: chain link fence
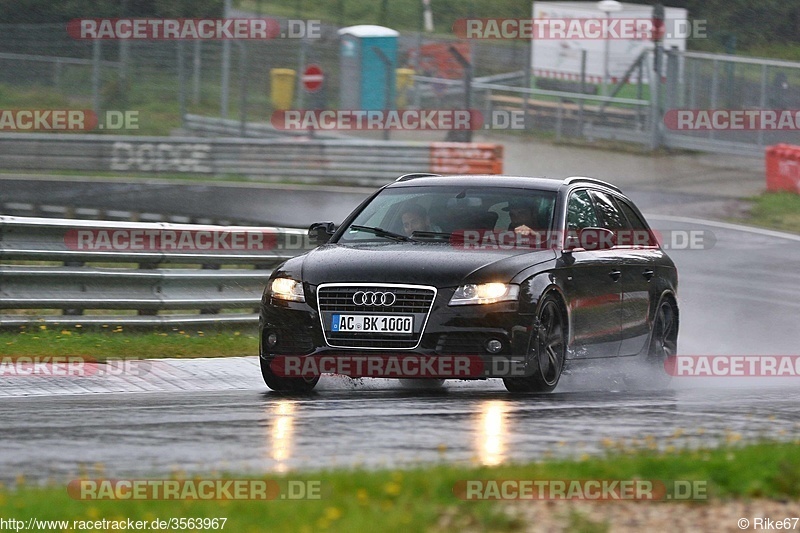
(166, 80)
(189, 75)
(697, 81)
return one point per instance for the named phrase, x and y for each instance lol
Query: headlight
(485, 293)
(287, 289)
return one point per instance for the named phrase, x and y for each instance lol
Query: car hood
(420, 263)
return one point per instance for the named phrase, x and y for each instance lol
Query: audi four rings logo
(374, 298)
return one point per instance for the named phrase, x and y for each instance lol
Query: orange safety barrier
(783, 168)
(466, 158)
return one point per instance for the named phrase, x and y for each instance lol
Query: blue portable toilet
(363, 74)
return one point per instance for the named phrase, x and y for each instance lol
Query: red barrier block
(783, 168)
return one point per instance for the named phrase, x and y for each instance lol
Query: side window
(613, 219)
(641, 233)
(580, 212)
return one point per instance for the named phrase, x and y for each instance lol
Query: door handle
(615, 275)
(648, 274)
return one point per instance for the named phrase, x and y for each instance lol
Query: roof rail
(576, 179)
(413, 175)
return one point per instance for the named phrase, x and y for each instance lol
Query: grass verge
(119, 343)
(423, 499)
(778, 210)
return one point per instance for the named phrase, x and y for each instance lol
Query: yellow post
(405, 82)
(282, 87)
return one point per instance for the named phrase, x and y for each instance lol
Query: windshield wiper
(432, 235)
(380, 232)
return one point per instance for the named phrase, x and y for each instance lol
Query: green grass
(778, 210)
(422, 498)
(119, 342)
(154, 96)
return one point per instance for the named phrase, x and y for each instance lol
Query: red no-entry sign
(312, 78)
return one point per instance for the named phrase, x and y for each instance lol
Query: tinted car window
(452, 209)
(612, 217)
(641, 232)
(580, 212)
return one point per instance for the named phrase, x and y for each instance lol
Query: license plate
(372, 323)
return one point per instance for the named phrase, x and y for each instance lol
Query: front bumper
(455, 338)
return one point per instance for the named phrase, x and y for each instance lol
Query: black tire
(651, 372)
(283, 384)
(547, 350)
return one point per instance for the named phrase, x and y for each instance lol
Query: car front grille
(409, 300)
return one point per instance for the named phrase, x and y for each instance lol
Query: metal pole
(655, 114)
(196, 73)
(604, 90)
(226, 68)
(714, 89)
(467, 66)
(527, 85)
(124, 48)
(301, 62)
(181, 84)
(763, 100)
(581, 102)
(243, 88)
(639, 93)
(96, 76)
(415, 63)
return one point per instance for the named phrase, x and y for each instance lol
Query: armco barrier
(311, 160)
(93, 265)
(783, 168)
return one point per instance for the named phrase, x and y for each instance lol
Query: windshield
(433, 214)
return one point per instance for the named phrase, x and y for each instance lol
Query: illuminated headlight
(287, 289)
(485, 293)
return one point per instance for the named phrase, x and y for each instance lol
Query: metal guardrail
(363, 162)
(80, 276)
(225, 127)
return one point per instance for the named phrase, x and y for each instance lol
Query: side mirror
(320, 233)
(596, 239)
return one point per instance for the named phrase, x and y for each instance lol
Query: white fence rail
(312, 160)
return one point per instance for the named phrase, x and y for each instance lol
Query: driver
(415, 218)
(523, 214)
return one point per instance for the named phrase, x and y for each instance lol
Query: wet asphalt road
(155, 434)
(741, 296)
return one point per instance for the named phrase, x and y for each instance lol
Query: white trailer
(560, 58)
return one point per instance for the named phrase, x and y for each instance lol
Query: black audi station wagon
(473, 277)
